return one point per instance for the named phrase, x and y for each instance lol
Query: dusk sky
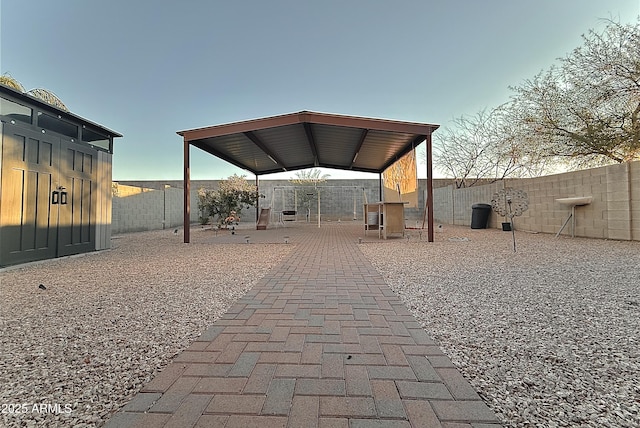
(147, 69)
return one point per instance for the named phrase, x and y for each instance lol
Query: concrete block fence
(613, 214)
(136, 209)
(150, 205)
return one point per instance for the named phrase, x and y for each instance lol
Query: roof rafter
(332, 166)
(312, 142)
(222, 156)
(417, 140)
(363, 136)
(262, 146)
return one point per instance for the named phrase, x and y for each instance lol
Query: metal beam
(343, 168)
(412, 145)
(429, 189)
(240, 127)
(257, 200)
(262, 146)
(368, 123)
(312, 142)
(363, 136)
(187, 194)
(311, 118)
(204, 147)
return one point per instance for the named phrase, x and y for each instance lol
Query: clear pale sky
(147, 69)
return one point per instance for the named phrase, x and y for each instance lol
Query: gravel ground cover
(549, 335)
(107, 322)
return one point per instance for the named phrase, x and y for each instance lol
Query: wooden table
(385, 217)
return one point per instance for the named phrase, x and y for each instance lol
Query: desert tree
(309, 178)
(483, 148)
(586, 110)
(583, 111)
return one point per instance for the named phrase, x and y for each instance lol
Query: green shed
(55, 180)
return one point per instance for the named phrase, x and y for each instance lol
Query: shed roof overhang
(30, 100)
(308, 139)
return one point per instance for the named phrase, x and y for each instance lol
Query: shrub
(226, 203)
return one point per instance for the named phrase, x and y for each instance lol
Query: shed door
(48, 197)
(29, 176)
(77, 229)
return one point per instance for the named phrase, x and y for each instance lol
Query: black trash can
(480, 216)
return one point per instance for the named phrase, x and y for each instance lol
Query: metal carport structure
(309, 139)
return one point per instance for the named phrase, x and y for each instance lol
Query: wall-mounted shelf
(573, 203)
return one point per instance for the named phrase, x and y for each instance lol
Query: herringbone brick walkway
(320, 341)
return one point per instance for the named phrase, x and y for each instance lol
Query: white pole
(318, 208)
(355, 192)
(272, 208)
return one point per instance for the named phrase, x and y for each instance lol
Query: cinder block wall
(137, 209)
(139, 205)
(613, 214)
(634, 183)
(339, 199)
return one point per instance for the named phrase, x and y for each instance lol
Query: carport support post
(187, 194)
(429, 189)
(257, 201)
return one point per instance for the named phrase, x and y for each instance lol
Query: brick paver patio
(320, 341)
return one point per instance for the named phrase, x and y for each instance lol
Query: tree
(227, 202)
(309, 178)
(462, 150)
(586, 111)
(482, 148)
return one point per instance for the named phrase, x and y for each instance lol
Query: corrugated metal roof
(309, 139)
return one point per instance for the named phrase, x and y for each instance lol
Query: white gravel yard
(549, 336)
(107, 322)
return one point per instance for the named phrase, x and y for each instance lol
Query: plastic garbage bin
(480, 216)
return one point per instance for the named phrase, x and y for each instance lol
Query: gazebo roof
(309, 139)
